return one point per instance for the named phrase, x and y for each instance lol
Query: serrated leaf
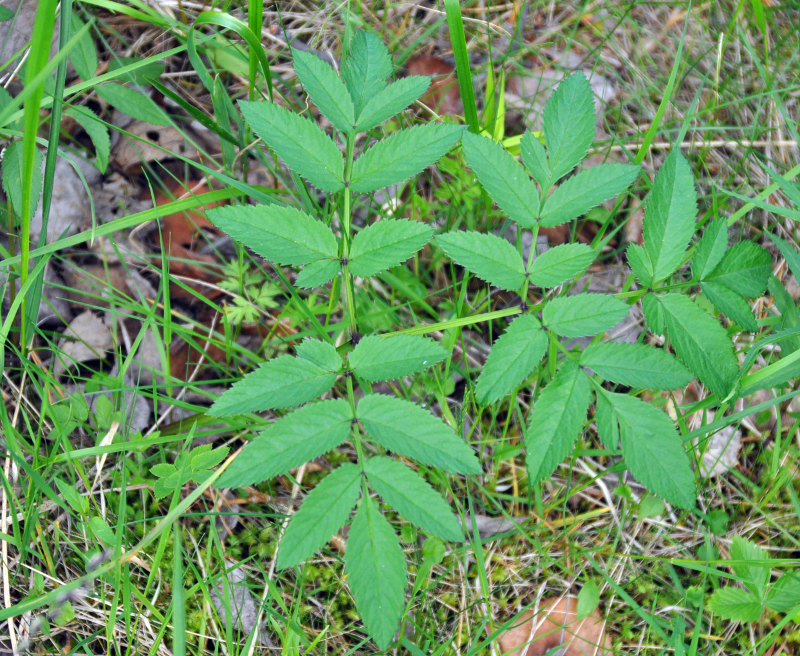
(585, 190)
(411, 431)
(391, 100)
(488, 256)
(385, 244)
(735, 604)
(379, 357)
(588, 599)
(278, 383)
(325, 88)
(556, 421)
(403, 154)
(636, 365)
(133, 103)
(731, 304)
(503, 178)
(365, 69)
(410, 495)
(279, 234)
(535, 159)
(317, 273)
(653, 450)
(750, 564)
(711, 248)
(12, 176)
(299, 142)
(744, 268)
(669, 218)
(583, 314)
(205, 458)
(376, 572)
(654, 314)
(640, 264)
(568, 123)
(97, 132)
(700, 342)
(322, 354)
(784, 594)
(298, 437)
(83, 55)
(512, 359)
(324, 511)
(560, 263)
(607, 426)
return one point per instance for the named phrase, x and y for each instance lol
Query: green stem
(534, 236)
(351, 397)
(347, 278)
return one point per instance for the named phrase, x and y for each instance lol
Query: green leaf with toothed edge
(325, 88)
(744, 268)
(322, 354)
(315, 274)
(568, 123)
(751, 564)
(378, 357)
(710, 249)
(97, 131)
(488, 256)
(583, 314)
(731, 304)
(607, 426)
(636, 365)
(736, 604)
(560, 263)
(386, 244)
(535, 159)
(391, 100)
(365, 69)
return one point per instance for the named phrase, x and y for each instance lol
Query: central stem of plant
(347, 279)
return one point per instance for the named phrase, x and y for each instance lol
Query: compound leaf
(411, 431)
(711, 248)
(488, 256)
(585, 190)
(325, 88)
(409, 494)
(560, 263)
(403, 154)
(315, 274)
(568, 123)
(512, 359)
(784, 594)
(300, 436)
(385, 244)
(391, 100)
(556, 421)
(379, 357)
(583, 314)
(535, 159)
(324, 511)
(376, 572)
(299, 142)
(735, 604)
(636, 365)
(731, 304)
(365, 69)
(744, 268)
(503, 178)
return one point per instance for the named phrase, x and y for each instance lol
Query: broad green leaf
(585, 190)
(315, 274)
(535, 159)
(133, 103)
(410, 495)
(710, 249)
(790, 312)
(751, 565)
(376, 572)
(365, 69)
(784, 594)
(789, 253)
(203, 458)
(278, 383)
(731, 304)
(745, 269)
(324, 511)
(560, 263)
(300, 436)
(503, 178)
(488, 256)
(391, 100)
(403, 154)
(556, 421)
(83, 55)
(700, 342)
(385, 244)
(636, 365)
(669, 218)
(12, 176)
(379, 357)
(588, 599)
(299, 142)
(322, 354)
(411, 431)
(654, 314)
(6, 14)
(607, 426)
(325, 88)
(583, 314)
(279, 234)
(640, 264)
(512, 359)
(97, 131)
(568, 123)
(735, 604)
(653, 450)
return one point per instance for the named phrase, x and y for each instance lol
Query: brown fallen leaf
(556, 625)
(443, 95)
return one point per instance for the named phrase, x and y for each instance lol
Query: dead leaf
(148, 143)
(443, 96)
(86, 338)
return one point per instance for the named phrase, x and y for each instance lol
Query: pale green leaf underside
(512, 359)
(560, 263)
(410, 495)
(731, 304)
(488, 256)
(744, 268)
(298, 437)
(403, 154)
(750, 564)
(299, 142)
(735, 604)
(568, 123)
(583, 314)
(376, 572)
(279, 234)
(711, 248)
(324, 511)
(133, 103)
(365, 68)
(325, 88)
(378, 357)
(535, 159)
(391, 100)
(503, 178)
(556, 421)
(636, 365)
(586, 189)
(411, 431)
(318, 273)
(385, 244)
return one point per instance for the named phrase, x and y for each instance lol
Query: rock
(70, 211)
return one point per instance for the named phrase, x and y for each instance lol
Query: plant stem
(347, 279)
